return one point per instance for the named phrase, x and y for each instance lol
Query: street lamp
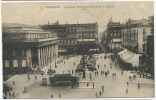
(84, 73)
(55, 62)
(50, 63)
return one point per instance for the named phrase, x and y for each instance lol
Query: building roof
(25, 30)
(69, 25)
(139, 23)
(14, 25)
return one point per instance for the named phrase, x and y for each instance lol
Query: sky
(35, 13)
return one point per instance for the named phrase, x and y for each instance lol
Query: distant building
(75, 38)
(27, 48)
(113, 36)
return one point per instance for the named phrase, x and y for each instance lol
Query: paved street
(113, 86)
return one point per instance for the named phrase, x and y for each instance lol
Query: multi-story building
(113, 36)
(27, 47)
(73, 38)
(134, 39)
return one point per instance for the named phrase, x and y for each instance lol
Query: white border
(78, 1)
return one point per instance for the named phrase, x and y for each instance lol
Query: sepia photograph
(68, 50)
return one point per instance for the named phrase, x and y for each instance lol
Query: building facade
(113, 36)
(136, 39)
(28, 48)
(74, 38)
(135, 34)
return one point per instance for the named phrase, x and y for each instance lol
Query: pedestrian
(87, 84)
(96, 95)
(98, 66)
(59, 95)
(13, 83)
(138, 86)
(72, 71)
(42, 74)
(28, 75)
(100, 93)
(97, 73)
(129, 77)
(51, 96)
(28, 78)
(64, 62)
(140, 75)
(102, 88)
(74, 64)
(93, 85)
(126, 90)
(35, 77)
(127, 83)
(122, 72)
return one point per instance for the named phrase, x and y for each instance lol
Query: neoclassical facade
(28, 47)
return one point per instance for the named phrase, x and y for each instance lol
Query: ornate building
(27, 48)
(73, 38)
(113, 36)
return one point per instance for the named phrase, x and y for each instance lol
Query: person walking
(59, 95)
(51, 96)
(72, 71)
(42, 74)
(87, 84)
(98, 66)
(28, 78)
(93, 85)
(35, 77)
(127, 83)
(138, 86)
(13, 82)
(127, 91)
(100, 93)
(102, 88)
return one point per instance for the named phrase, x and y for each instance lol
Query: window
(144, 47)
(23, 63)
(6, 63)
(144, 31)
(15, 63)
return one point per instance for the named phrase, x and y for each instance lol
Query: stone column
(39, 58)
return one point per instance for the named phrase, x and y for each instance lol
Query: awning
(85, 40)
(134, 60)
(133, 44)
(128, 55)
(120, 53)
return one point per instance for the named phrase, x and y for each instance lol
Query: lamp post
(55, 62)
(84, 73)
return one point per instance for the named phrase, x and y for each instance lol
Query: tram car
(63, 79)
